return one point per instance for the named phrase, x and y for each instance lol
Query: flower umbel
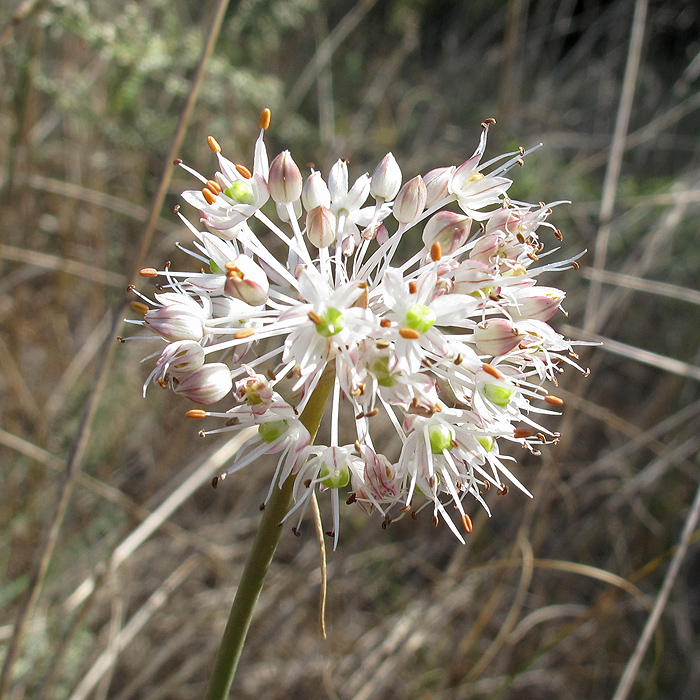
(449, 345)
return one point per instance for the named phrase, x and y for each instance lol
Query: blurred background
(118, 562)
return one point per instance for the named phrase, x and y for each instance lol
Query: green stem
(260, 557)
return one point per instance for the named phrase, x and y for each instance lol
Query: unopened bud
(386, 179)
(449, 229)
(285, 179)
(177, 321)
(315, 192)
(320, 226)
(497, 336)
(246, 280)
(410, 201)
(536, 303)
(437, 183)
(209, 384)
(486, 247)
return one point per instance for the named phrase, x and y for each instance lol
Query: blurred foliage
(91, 93)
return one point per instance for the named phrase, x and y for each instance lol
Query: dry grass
(550, 597)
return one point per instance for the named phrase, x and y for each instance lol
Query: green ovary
(440, 438)
(240, 191)
(499, 395)
(269, 432)
(332, 322)
(380, 369)
(334, 479)
(485, 441)
(420, 318)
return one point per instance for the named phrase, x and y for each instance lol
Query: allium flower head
(435, 357)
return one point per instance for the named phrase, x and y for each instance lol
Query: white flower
(449, 342)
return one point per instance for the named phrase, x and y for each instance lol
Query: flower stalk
(260, 557)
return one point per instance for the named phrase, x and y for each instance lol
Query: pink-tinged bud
(320, 226)
(536, 303)
(246, 280)
(486, 247)
(472, 276)
(437, 181)
(386, 179)
(209, 384)
(177, 321)
(497, 336)
(410, 201)
(285, 181)
(181, 358)
(315, 192)
(447, 228)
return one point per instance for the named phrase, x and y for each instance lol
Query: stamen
(138, 307)
(490, 369)
(315, 318)
(213, 144)
(209, 195)
(522, 433)
(265, 117)
(214, 186)
(243, 333)
(412, 287)
(436, 251)
(148, 272)
(383, 344)
(467, 523)
(408, 334)
(554, 400)
(385, 323)
(242, 170)
(196, 413)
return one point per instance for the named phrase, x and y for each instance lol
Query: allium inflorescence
(450, 342)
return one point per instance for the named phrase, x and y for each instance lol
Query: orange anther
(554, 400)
(148, 272)
(412, 287)
(209, 195)
(242, 170)
(409, 333)
(214, 186)
(467, 523)
(213, 144)
(436, 251)
(265, 117)
(522, 433)
(196, 413)
(315, 318)
(490, 369)
(243, 333)
(385, 323)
